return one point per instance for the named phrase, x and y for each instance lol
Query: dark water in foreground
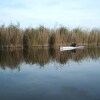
(48, 74)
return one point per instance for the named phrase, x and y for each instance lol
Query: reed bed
(14, 36)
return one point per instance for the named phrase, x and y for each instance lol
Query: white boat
(63, 48)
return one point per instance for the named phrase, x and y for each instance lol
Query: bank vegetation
(14, 36)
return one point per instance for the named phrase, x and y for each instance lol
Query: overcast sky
(50, 13)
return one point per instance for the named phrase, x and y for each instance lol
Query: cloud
(49, 12)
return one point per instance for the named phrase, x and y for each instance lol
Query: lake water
(50, 74)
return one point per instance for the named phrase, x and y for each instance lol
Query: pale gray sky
(72, 13)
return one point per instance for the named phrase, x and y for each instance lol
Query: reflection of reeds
(36, 55)
(13, 57)
(10, 58)
(14, 36)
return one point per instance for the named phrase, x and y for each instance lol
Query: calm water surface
(48, 74)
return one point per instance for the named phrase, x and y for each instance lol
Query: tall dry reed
(14, 36)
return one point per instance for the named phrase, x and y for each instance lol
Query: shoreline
(46, 46)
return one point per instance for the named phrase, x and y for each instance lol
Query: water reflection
(12, 58)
